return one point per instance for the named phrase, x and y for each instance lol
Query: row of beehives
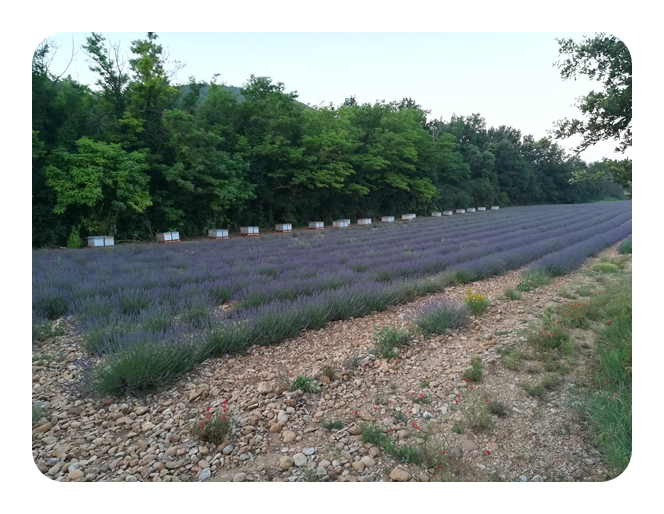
(222, 233)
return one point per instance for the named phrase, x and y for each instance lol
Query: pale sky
(508, 78)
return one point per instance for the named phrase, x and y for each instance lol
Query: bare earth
(147, 439)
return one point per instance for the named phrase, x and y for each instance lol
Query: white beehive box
(494, 207)
(218, 233)
(460, 211)
(407, 217)
(470, 209)
(175, 237)
(284, 227)
(340, 224)
(316, 225)
(364, 221)
(481, 208)
(387, 219)
(436, 213)
(447, 213)
(95, 241)
(249, 231)
(164, 237)
(109, 241)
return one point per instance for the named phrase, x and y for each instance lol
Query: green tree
(101, 181)
(608, 113)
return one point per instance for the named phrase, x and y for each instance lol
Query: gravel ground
(280, 435)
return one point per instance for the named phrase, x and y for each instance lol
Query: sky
(508, 78)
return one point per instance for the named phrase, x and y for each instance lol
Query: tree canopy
(140, 154)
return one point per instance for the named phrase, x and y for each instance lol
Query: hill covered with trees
(139, 155)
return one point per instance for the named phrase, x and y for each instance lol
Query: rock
(205, 474)
(174, 464)
(203, 464)
(52, 461)
(43, 428)
(358, 466)
(537, 478)
(422, 477)
(282, 417)
(365, 416)
(299, 460)
(75, 475)
(399, 475)
(141, 410)
(73, 466)
(264, 387)
(285, 462)
(227, 449)
(131, 478)
(288, 436)
(523, 478)
(374, 451)
(366, 478)
(203, 450)
(276, 428)
(239, 477)
(308, 451)
(368, 461)
(355, 430)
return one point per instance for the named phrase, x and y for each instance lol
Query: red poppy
(471, 388)
(488, 452)
(356, 413)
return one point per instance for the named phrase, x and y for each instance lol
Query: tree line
(140, 155)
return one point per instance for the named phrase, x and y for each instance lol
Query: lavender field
(148, 313)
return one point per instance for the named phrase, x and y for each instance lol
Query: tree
(101, 180)
(608, 112)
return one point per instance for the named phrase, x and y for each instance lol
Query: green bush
(388, 338)
(476, 302)
(74, 241)
(304, 384)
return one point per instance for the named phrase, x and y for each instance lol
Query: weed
(424, 383)
(476, 302)
(577, 314)
(37, 411)
(549, 339)
(511, 294)
(497, 408)
(533, 279)
(625, 247)
(310, 475)
(478, 417)
(422, 398)
(372, 434)
(511, 359)
(330, 372)
(606, 267)
(305, 384)
(457, 429)
(540, 389)
(333, 425)
(399, 416)
(584, 290)
(388, 338)
(474, 373)
(213, 428)
(566, 294)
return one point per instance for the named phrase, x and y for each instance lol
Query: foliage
(437, 317)
(609, 112)
(37, 412)
(333, 425)
(304, 384)
(626, 246)
(389, 338)
(511, 294)
(474, 372)
(212, 428)
(476, 302)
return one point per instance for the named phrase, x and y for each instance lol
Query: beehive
(436, 213)
(494, 207)
(407, 217)
(460, 211)
(481, 208)
(364, 221)
(218, 233)
(249, 231)
(470, 209)
(284, 227)
(387, 219)
(316, 225)
(447, 213)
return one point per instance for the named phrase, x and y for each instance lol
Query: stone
(239, 477)
(288, 436)
(43, 428)
(355, 430)
(75, 475)
(422, 477)
(537, 478)
(368, 461)
(374, 451)
(264, 387)
(227, 449)
(276, 428)
(468, 444)
(131, 478)
(205, 474)
(358, 466)
(299, 460)
(399, 475)
(285, 462)
(282, 417)
(308, 451)
(203, 464)
(321, 471)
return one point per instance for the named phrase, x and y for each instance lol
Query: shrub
(511, 294)
(476, 302)
(37, 410)
(497, 408)
(304, 384)
(474, 373)
(74, 240)
(606, 267)
(388, 338)
(457, 429)
(478, 417)
(549, 339)
(626, 246)
(533, 279)
(333, 425)
(436, 317)
(212, 428)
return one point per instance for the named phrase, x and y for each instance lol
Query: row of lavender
(154, 314)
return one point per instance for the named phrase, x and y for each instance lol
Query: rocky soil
(281, 435)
